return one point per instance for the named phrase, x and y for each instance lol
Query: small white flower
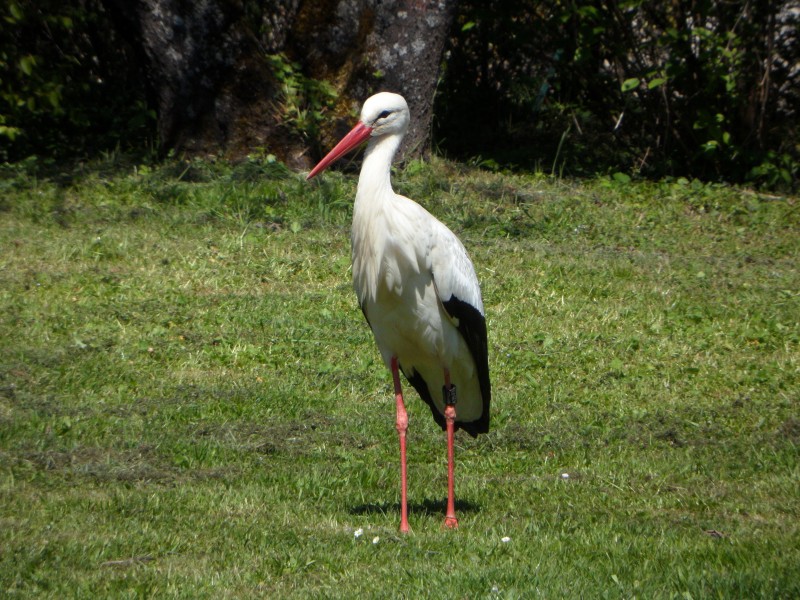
(358, 533)
(505, 539)
(565, 476)
(376, 539)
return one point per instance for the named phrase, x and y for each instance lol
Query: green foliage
(702, 89)
(776, 170)
(305, 102)
(66, 85)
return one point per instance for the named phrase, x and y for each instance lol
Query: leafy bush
(304, 101)
(66, 84)
(704, 89)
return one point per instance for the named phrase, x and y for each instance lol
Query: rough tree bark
(216, 92)
(368, 46)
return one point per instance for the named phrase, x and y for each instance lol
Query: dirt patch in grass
(286, 438)
(141, 464)
(790, 430)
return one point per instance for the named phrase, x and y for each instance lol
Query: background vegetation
(703, 88)
(697, 89)
(68, 85)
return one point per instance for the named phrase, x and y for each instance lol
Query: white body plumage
(407, 266)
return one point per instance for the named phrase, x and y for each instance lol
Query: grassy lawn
(191, 404)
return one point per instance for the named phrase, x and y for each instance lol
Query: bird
(418, 291)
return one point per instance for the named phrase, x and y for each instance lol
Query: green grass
(191, 404)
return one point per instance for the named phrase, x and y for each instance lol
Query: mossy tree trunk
(229, 77)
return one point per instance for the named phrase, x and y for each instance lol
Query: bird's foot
(450, 523)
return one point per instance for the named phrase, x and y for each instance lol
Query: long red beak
(358, 134)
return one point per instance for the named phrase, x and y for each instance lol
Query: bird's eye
(383, 115)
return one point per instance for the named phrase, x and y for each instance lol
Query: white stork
(418, 291)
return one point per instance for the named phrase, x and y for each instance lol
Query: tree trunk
(229, 79)
(369, 46)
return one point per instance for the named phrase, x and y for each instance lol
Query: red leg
(450, 520)
(402, 426)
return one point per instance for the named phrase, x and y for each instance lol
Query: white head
(382, 114)
(385, 113)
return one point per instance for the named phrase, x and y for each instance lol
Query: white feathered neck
(374, 182)
(380, 223)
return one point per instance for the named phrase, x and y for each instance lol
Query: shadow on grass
(426, 507)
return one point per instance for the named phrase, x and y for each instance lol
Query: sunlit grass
(191, 404)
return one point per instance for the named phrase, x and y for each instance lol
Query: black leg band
(449, 395)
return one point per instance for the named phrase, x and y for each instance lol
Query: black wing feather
(472, 327)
